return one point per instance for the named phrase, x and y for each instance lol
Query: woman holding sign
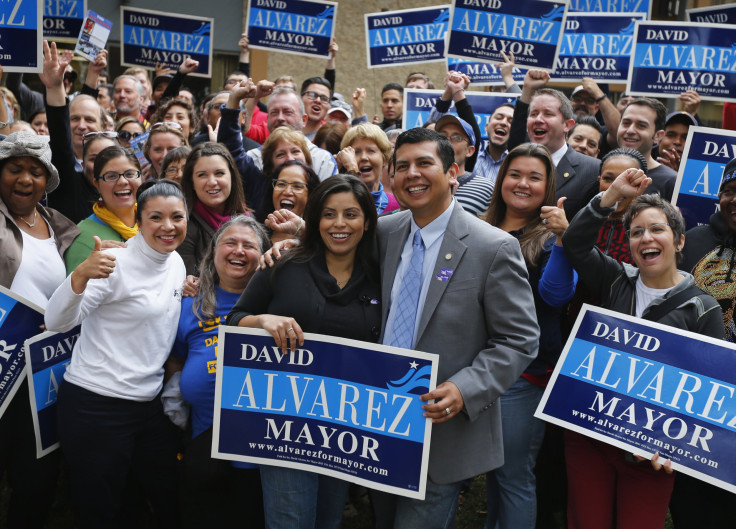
(329, 286)
(110, 418)
(606, 483)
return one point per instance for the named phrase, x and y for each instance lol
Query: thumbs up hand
(98, 265)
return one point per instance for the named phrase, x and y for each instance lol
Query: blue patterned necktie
(411, 286)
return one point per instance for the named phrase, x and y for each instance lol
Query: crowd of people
(568, 202)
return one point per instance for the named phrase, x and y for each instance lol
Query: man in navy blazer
(475, 309)
(544, 115)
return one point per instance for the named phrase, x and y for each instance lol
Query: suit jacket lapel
(451, 252)
(565, 169)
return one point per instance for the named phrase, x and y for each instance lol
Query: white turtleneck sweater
(129, 322)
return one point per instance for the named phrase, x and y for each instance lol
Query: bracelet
(301, 223)
(601, 98)
(456, 91)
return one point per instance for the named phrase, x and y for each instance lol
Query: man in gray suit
(470, 302)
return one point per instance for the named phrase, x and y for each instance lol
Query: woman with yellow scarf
(117, 176)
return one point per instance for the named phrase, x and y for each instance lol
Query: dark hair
(235, 203)
(419, 135)
(87, 144)
(586, 120)
(660, 110)
(674, 218)
(392, 86)
(331, 135)
(205, 302)
(315, 80)
(164, 107)
(267, 204)
(565, 105)
(312, 243)
(626, 153)
(174, 155)
(111, 153)
(157, 188)
(535, 234)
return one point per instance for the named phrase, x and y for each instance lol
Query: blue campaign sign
(149, 37)
(722, 14)
(483, 73)
(48, 354)
(418, 104)
(613, 6)
(646, 387)
(531, 30)
(342, 408)
(409, 36)
(19, 320)
(62, 19)
(672, 57)
(706, 153)
(21, 28)
(303, 27)
(596, 45)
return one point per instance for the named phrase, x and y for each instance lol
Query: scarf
(112, 220)
(215, 220)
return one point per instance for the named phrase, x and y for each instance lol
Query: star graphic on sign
(509, 99)
(413, 365)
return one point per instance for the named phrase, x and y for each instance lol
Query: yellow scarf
(112, 220)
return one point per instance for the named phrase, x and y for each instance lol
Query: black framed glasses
(114, 176)
(314, 95)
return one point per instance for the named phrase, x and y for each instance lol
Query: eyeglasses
(314, 95)
(114, 176)
(172, 170)
(282, 185)
(586, 100)
(103, 133)
(162, 124)
(127, 135)
(457, 138)
(655, 229)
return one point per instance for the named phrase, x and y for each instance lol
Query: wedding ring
(544, 221)
(447, 411)
(290, 329)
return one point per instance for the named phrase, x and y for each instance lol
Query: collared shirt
(432, 235)
(558, 154)
(487, 167)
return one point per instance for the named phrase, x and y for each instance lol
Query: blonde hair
(371, 132)
(289, 136)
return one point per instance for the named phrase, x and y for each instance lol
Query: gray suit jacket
(482, 324)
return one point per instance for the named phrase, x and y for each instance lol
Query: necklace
(35, 217)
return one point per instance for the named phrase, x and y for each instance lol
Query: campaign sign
(149, 37)
(409, 36)
(483, 73)
(722, 14)
(596, 45)
(62, 19)
(531, 30)
(303, 27)
(418, 104)
(646, 387)
(613, 6)
(704, 158)
(48, 354)
(19, 320)
(338, 407)
(21, 36)
(672, 57)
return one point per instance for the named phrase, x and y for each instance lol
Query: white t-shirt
(41, 269)
(645, 296)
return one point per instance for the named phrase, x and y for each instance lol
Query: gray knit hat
(24, 143)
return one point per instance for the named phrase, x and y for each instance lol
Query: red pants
(606, 491)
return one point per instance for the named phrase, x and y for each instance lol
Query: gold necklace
(35, 218)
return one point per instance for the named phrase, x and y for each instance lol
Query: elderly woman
(33, 241)
(110, 417)
(216, 492)
(365, 153)
(178, 110)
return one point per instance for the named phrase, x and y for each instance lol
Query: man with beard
(128, 95)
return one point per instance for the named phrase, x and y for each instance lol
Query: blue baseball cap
(450, 118)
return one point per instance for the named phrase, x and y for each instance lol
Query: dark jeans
(105, 440)
(216, 494)
(32, 481)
